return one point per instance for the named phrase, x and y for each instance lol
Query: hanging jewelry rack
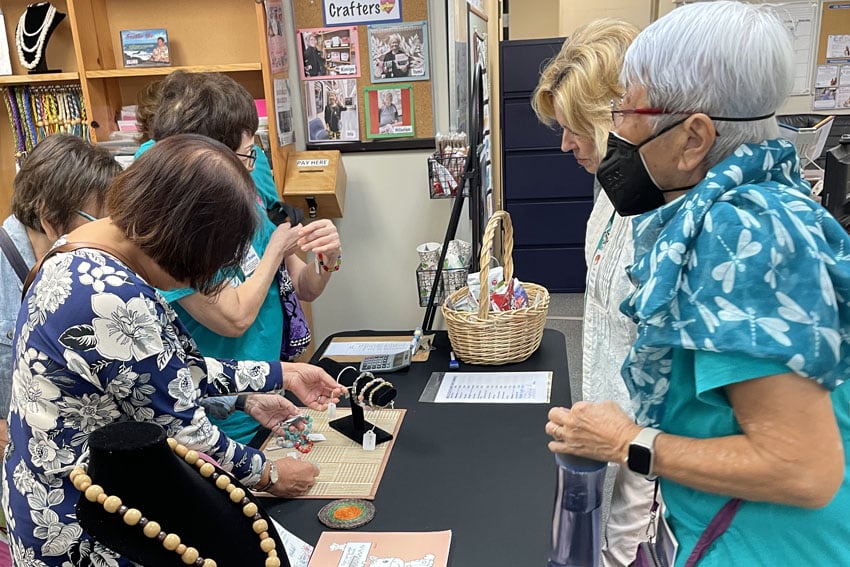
(36, 112)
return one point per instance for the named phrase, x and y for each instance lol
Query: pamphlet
(5, 61)
(373, 549)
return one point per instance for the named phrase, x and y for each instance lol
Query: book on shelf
(145, 48)
(5, 61)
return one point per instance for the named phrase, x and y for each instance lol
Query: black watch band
(240, 402)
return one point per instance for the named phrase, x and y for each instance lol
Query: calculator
(386, 362)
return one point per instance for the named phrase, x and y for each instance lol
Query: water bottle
(577, 518)
(836, 178)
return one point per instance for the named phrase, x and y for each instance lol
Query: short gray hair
(725, 59)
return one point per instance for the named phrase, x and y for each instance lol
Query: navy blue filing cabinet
(546, 192)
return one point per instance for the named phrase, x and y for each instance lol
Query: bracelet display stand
(355, 425)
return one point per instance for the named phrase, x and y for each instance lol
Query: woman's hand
(600, 431)
(295, 477)
(311, 384)
(285, 240)
(321, 237)
(270, 409)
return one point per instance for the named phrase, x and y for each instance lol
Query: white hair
(725, 59)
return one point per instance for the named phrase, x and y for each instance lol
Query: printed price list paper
(365, 348)
(495, 388)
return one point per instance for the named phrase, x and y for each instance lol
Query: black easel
(470, 186)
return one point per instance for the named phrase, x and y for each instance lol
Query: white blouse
(607, 334)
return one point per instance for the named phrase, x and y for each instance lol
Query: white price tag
(331, 411)
(369, 441)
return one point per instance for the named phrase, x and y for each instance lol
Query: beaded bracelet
(361, 398)
(375, 389)
(171, 541)
(300, 439)
(354, 386)
(334, 268)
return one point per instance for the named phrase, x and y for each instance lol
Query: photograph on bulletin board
(328, 52)
(276, 33)
(331, 109)
(389, 111)
(399, 52)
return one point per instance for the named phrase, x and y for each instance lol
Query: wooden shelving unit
(39, 79)
(226, 36)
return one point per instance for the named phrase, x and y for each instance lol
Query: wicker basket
(497, 337)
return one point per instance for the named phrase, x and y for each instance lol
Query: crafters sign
(348, 12)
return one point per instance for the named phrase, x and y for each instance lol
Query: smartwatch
(641, 457)
(240, 402)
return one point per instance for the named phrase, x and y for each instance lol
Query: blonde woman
(575, 93)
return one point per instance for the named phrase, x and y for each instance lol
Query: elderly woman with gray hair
(742, 301)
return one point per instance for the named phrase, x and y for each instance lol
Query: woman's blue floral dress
(96, 344)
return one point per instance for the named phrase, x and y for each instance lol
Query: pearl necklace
(171, 542)
(41, 32)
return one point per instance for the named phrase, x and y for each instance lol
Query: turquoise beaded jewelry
(170, 541)
(298, 439)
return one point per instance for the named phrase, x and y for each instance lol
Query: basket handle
(486, 249)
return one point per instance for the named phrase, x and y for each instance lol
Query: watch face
(640, 459)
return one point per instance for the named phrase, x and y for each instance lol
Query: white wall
(532, 19)
(387, 214)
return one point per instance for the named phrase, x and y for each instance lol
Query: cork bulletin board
(308, 16)
(834, 25)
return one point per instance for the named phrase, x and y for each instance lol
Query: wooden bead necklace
(171, 541)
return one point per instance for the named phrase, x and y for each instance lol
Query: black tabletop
(480, 470)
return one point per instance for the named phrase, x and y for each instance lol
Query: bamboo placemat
(345, 469)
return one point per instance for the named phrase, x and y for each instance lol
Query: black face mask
(625, 179)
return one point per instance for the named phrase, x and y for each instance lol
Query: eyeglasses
(617, 113)
(86, 216)
(249, 158)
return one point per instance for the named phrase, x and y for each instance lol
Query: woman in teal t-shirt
(246, 319)
(742, 301)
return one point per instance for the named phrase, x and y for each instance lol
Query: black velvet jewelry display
(355, 425)
(132, 460)
(34, 17)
